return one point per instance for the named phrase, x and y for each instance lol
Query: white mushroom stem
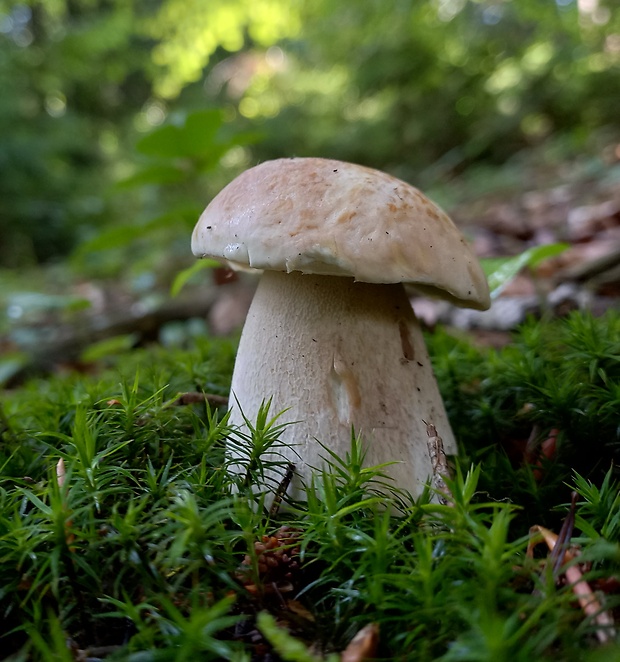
(339, 355)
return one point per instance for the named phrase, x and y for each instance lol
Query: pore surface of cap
(321, 216)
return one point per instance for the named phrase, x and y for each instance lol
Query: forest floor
(543, 195)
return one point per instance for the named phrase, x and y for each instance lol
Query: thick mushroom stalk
(340, 354)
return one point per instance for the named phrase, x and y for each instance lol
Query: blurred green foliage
(425, 87)
(72, 76)
(421, 88)
(168, 179)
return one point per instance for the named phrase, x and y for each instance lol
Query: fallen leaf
(363, 646)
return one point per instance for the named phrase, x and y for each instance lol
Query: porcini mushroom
(331, 335)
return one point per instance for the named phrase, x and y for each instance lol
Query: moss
(138, 546)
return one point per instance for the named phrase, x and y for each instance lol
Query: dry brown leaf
(363, 646)
(295, 607)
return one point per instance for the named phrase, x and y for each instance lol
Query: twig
(592, 607)
(75, 338)
(193, 397)
(281, 491)
(560, 548)
(439, 464)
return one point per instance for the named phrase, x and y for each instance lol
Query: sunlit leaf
(187, 35)
(501, 270)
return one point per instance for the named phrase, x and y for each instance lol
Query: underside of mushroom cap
(326, 217)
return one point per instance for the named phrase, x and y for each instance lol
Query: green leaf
(108, 347)
(157, 174)
(501, 270)
(113, 238)
(123, 235)
(34, 499)
(194, 138)
(184, 276)
(287, 647)
(186, 216)
(165, 142)
(201, 129)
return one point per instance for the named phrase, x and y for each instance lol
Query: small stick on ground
(439, 464)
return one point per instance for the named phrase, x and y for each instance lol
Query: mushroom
(330, 335)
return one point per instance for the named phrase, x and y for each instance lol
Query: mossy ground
(147, 549)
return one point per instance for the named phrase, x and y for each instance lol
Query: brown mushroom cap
(320, 216)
